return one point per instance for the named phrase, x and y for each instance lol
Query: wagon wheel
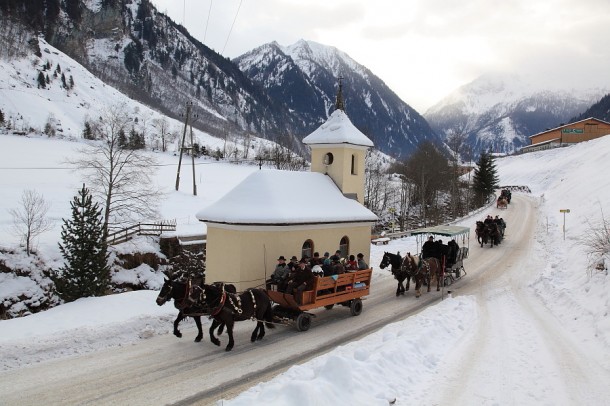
(303, 322)
(447, 280)
(355, 307)
(330, 306)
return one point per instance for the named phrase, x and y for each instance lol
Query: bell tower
(338, 149)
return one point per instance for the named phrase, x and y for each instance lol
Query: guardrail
(127, 233)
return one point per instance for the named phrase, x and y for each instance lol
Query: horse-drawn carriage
(445, 265)
(345, 289)
(502, 203)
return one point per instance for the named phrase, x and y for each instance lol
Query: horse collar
(220, 305)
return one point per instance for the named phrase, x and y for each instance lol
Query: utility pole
(189, 106)
(193, 162)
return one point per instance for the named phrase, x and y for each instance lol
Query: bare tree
(121, 178)
(162, 127)
(30, 220)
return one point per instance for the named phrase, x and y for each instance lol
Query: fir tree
(85, 272)
(485, 179)
(88, 132)
(1, 117)
(122, 139)
(71, 82)
(41, 81)
(63, 81)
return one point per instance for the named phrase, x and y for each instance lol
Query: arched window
(328, 158)
(307, 249)
(344, 246)
(354, 165)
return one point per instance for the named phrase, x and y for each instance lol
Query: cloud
(423, 49)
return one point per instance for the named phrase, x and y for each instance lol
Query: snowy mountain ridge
(501, 111)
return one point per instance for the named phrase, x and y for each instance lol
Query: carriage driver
(279, 275)
(427, 250)
(301, 281)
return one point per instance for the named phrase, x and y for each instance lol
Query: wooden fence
(127, 233)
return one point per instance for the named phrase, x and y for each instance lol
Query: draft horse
(430, 269)
(180, 291)
(483, 233)
(227, 308)
(400, 274)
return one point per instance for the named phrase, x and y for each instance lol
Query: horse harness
(237, 308)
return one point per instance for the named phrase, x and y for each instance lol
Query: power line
(231, 30)
(205, 33)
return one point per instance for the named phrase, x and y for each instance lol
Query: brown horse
(228, 308)
(423, 271)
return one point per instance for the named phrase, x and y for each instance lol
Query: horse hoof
(229, 348)
(198, 339)
(216, 342)
(178, 334)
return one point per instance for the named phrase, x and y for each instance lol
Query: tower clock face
(328, 158)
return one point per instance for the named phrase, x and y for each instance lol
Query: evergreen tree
(485, 180)
(85, 272)
(63, 81)
(122, 139)
(88, 132)
(1, 117)
(41, 81)
(71, 82)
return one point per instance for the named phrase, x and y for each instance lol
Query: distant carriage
(502, 203)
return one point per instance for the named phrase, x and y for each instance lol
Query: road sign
(564, 211)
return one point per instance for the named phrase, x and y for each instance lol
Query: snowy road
(513, 326)
(516, 332)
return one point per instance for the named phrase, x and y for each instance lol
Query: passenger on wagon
(294, 263)
(301, 281)
(453, 251)
(361, 263)
(326, 263)
(336, 267)
(427, 250)
(279, 275)
(351, 264)
(316, 260)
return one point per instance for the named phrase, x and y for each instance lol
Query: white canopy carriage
(462, 236)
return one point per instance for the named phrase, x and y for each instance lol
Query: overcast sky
(422, 49)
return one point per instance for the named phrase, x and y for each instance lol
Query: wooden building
(579, 131)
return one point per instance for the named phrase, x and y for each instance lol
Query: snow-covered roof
(272, 197)
(338, 129)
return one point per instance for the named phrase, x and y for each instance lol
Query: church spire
(339, 104)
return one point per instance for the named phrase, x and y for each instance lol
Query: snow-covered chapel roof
(272, 197)
(338, 129)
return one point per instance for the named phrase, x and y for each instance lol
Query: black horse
(181, 292)
(227, 308)
(400, 274)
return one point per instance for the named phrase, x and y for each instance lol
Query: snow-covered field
(572, 178)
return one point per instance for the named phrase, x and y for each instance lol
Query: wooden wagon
(346, 289)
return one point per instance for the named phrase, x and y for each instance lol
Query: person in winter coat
(279, 275)
(351, 264)
(361, 263)
(428, 249)
(301, 281)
